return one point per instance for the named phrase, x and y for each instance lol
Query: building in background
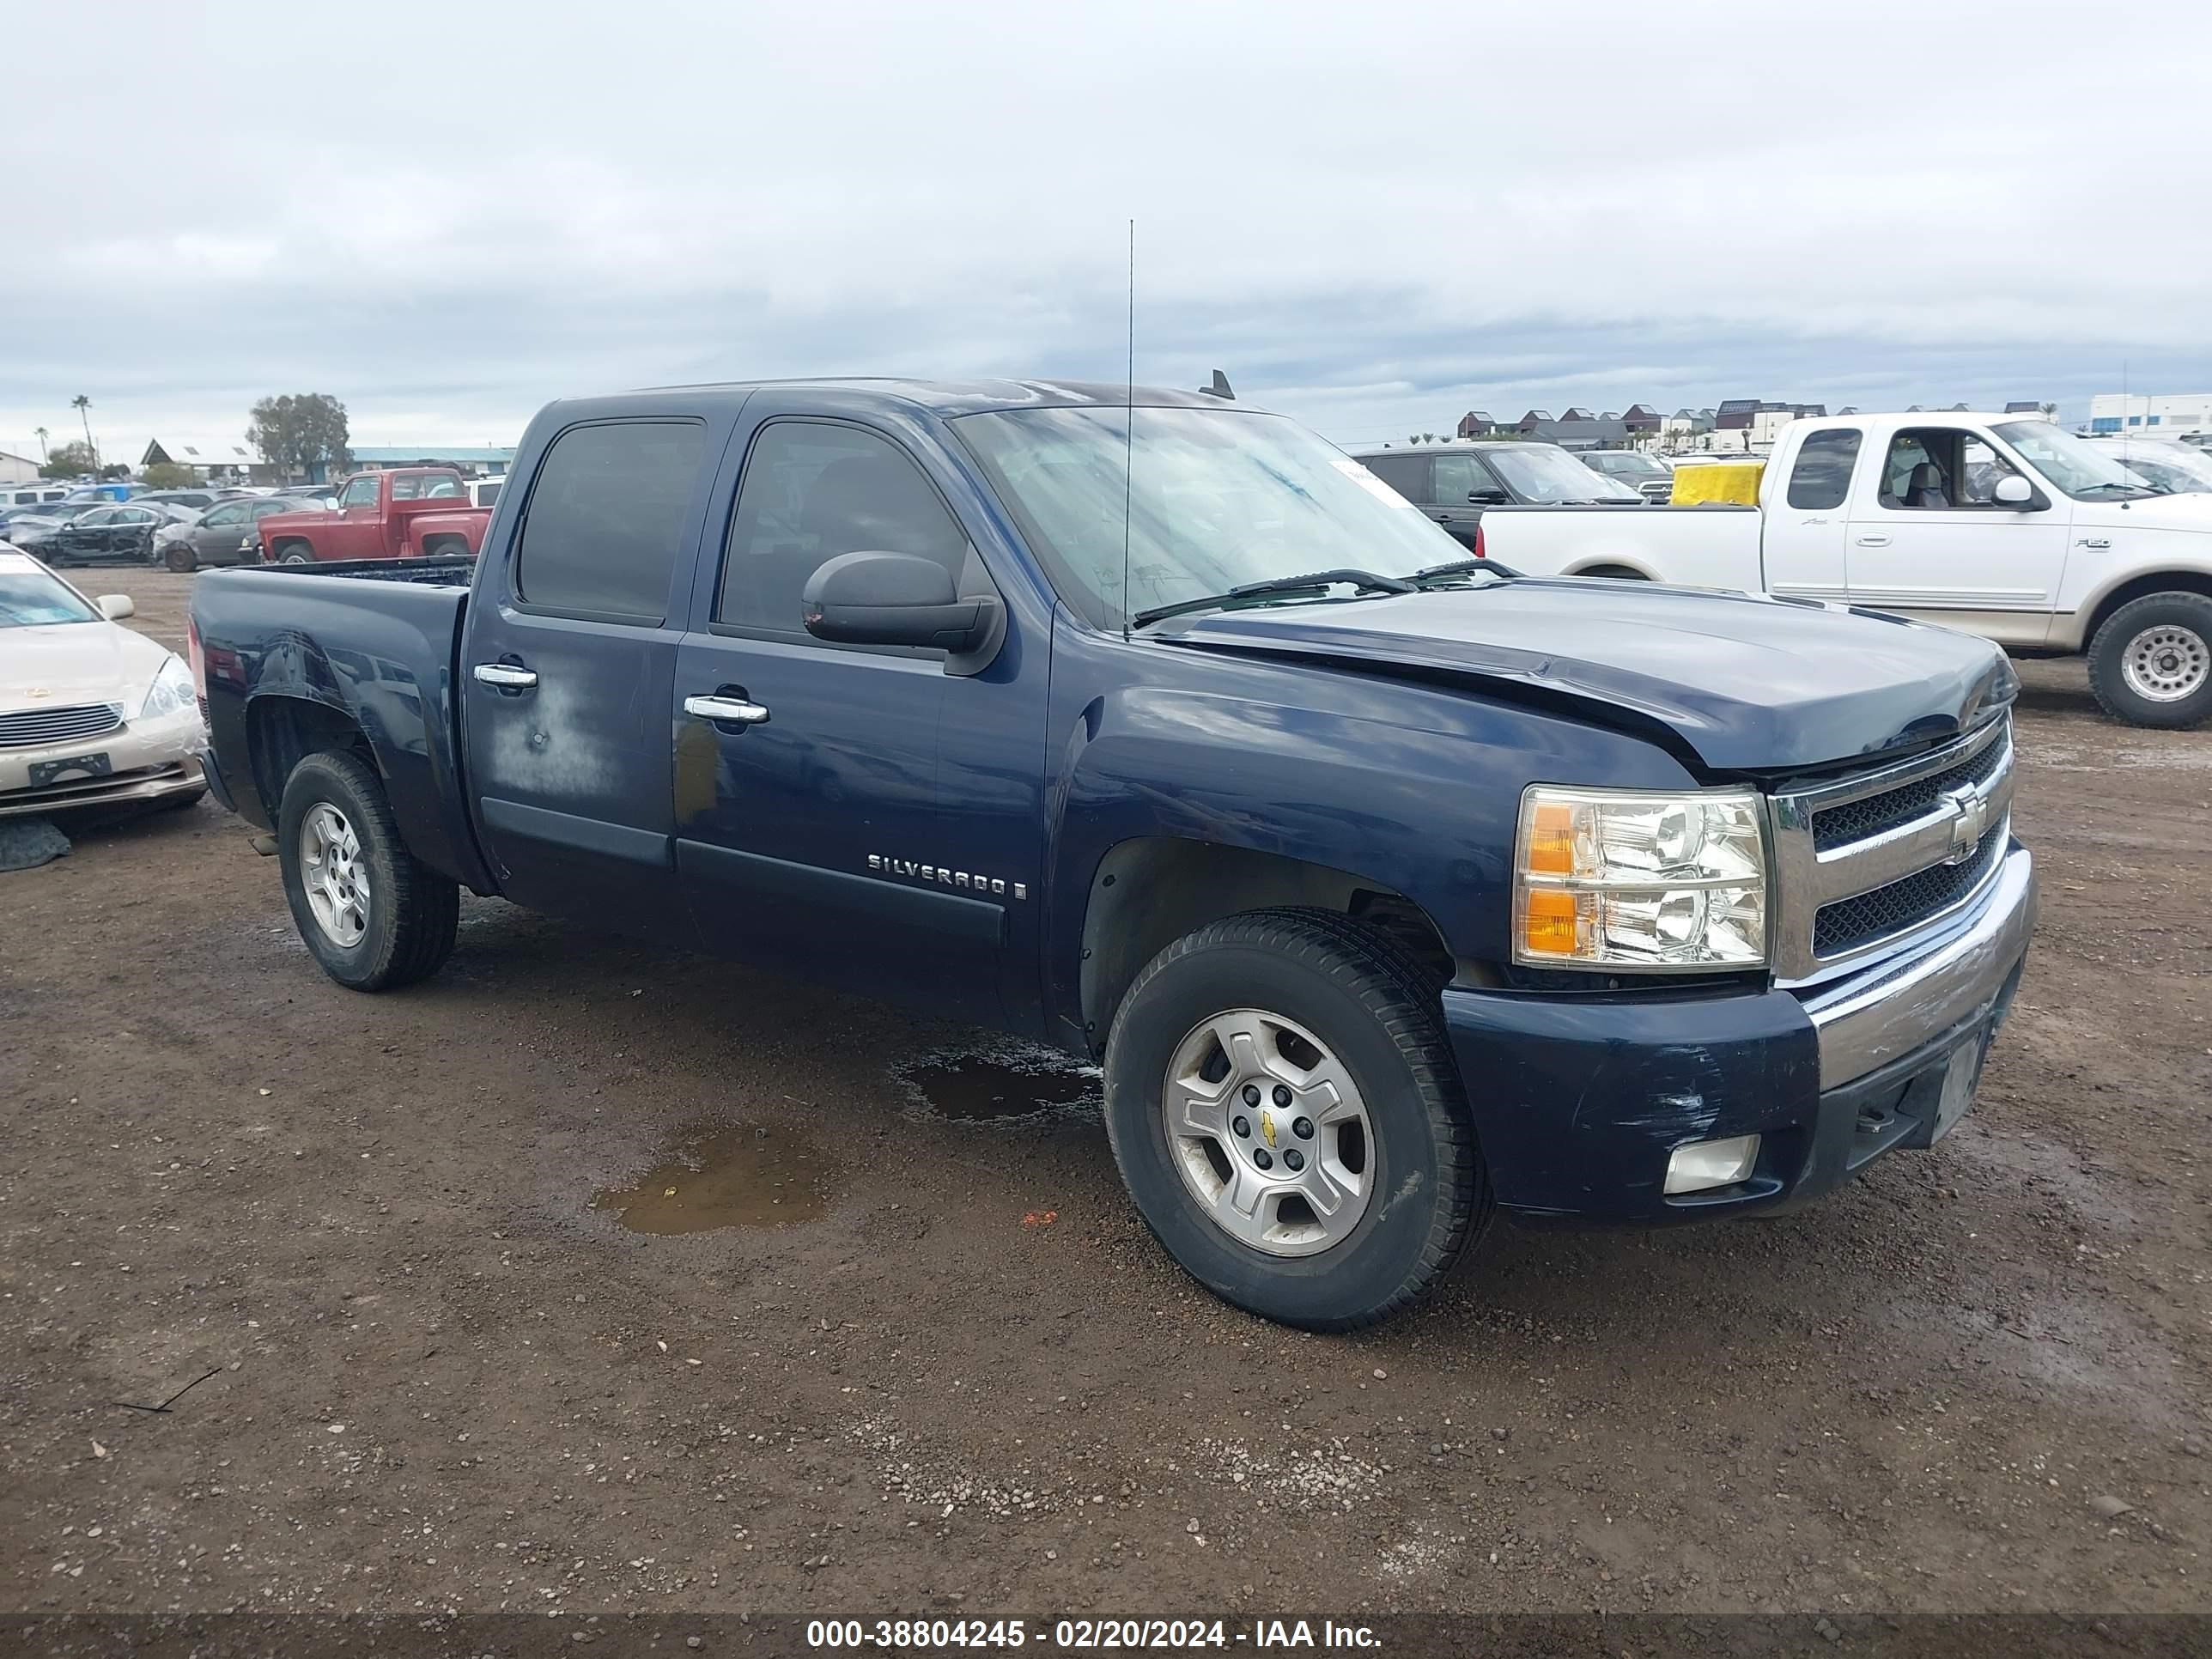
(2171, 413)
(483, 461)
(17, 469)
(213, 460)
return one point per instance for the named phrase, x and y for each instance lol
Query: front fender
(1415, 788)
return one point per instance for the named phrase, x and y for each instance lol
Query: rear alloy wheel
(373, 914)
(1288, 1118)
(2151, 663)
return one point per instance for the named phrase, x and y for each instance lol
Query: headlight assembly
(1619, 881)
(171, 693)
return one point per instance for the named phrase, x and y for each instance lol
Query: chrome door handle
(504, 675)
(1873, 541)
(733, 710)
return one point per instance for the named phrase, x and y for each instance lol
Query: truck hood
(1748, 683)
(2191, 511)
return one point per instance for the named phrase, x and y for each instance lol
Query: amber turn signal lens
(1551, 840)
(1548, 925)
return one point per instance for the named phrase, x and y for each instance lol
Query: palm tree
(41, 433)
(82, 405)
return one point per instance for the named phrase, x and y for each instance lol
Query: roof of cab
(945, 398)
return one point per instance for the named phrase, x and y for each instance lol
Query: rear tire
(2150, 664)
(1343, 1002)
(182, 558)
(395, 921)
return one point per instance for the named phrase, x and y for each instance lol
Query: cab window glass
(362, 492)
(811, 491)
(606, 516)
(1822, 475)
(1457, 478)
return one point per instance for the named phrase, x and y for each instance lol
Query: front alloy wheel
(1287, 1115)
(1269, 1132)
(2150, 663)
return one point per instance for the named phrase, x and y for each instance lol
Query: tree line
(294, 433)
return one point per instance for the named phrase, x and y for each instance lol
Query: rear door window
(1822, 475)
(606, 516)
(1406, 474)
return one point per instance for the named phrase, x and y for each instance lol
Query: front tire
(2151, 663)
(1288, 1118)
(373, 914)
(182, 558)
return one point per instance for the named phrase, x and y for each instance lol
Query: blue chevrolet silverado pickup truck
(1389, 889)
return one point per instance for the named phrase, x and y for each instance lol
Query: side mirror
(2013, 490)
(116, 606)
(1489, 495)
(894, 599)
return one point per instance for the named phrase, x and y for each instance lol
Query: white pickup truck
(2000, 525)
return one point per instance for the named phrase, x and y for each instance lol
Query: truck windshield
(29, 597)
(2069, 464)
(1215, 499)
(1549, 476)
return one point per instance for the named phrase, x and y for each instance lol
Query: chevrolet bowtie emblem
(1970, 821)
(1268, 1128)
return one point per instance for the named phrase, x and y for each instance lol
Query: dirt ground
(934, 1362)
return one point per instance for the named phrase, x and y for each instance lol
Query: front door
(858, 814)
(1803, 534)
(1454, 481)
(215, 538)
(569, 653)
(354, 529)
(1930, 540)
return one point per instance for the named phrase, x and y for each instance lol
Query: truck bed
(378, 648)
(1714, 544)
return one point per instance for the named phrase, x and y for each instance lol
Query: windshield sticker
(1368, 481)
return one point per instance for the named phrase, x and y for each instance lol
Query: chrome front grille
(1865, 862)
(28, 728)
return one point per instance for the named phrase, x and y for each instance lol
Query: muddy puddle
(726, 1176)
(987, 1085)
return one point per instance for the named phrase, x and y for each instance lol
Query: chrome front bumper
(1866, 1021)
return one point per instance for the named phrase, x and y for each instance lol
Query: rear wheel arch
(281, 731)
(1149, 891)
(1614, 571)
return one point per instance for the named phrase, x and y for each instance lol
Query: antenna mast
(1129, 431)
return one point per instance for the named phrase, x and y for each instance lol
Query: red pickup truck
(408, 513)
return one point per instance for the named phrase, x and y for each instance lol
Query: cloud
(1372, 222)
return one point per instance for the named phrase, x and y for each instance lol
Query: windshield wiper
(1365, 581)
(1438, 572)
(2139, 489)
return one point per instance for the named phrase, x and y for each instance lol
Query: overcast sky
(1373, 218)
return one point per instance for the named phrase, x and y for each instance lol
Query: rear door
(1805, 530)
(871, 820)
(568, 659)
(1927, 538)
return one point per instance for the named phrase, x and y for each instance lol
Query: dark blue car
(1388, 888)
